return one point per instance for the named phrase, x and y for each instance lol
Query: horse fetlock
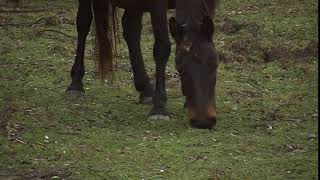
(76, 87)
(146, 100)
(75, 94)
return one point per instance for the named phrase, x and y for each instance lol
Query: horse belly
(129, 4)
(145, 5)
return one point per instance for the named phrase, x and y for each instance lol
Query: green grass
(267, 112)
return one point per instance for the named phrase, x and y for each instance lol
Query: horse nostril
(204, 124)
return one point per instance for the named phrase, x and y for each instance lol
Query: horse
(196, 60)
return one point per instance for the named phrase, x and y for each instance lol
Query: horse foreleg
(132, 25)
(84, 18)
(161, 53)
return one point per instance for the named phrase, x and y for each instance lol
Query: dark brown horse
(196, 59)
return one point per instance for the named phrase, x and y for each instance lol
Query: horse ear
(175, 30)
(207, 27)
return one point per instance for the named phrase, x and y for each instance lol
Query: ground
(266, 97)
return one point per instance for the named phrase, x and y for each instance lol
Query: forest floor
(267, 100)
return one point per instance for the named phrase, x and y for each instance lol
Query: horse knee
(162, 50)
(83, 24)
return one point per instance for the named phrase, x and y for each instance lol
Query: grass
(267, 112)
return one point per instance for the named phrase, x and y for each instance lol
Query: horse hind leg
(84, 19)
(132, 25)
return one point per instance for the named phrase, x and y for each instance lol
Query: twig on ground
(56, 31)
(23, 24)
(23, 11)
(18, 140)
(19, 6)
(37, 21)
(29, 24)
(39, 143)
(15, 24)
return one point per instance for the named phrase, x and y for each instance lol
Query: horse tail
(103, 41)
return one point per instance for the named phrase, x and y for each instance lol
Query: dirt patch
(311, 50)
(239, 46)
(250, 49)
(252, 28)
(230, 26)
(245, 47)
(285, 53)
(241, 50)
(275, 53)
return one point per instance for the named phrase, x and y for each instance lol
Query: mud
(280, 52)
(249, 48)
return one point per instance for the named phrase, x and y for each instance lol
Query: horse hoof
(75, 93)
(158, 117)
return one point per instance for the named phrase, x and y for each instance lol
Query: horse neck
(193, 11)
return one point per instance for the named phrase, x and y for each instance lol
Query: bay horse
(196, 59)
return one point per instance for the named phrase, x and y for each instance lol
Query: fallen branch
(22, 24)
(56, 31)
(15, 24)
(10, 6)
(29, 24)
(37, 21)
(23, 11)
